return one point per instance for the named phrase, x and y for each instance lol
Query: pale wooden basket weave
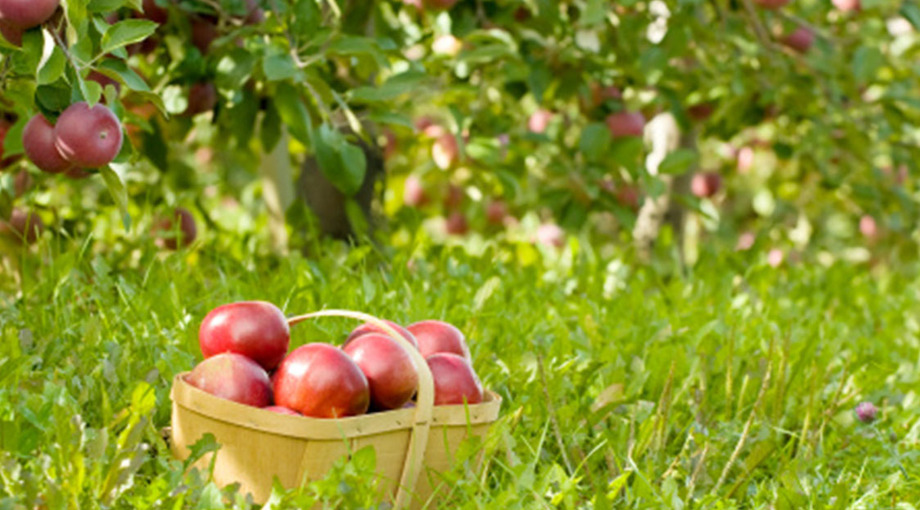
(412, 445)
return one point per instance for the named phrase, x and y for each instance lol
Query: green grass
(731, 385)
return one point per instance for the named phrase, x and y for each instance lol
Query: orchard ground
(731, 384)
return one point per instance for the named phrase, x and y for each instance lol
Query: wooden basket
(257, 446)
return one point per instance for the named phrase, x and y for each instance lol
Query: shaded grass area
(731, 385)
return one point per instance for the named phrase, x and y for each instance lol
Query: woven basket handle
(418, 440)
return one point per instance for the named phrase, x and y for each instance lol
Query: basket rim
(188, 397)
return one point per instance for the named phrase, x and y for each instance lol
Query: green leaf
(54, 97)
(678, 162)
(342, 163)
(485, 150)
(92, 91)
(365, 460)
(627, 150)
(911, 11)
(356, 46)
(270, 132)
(243, 117)
(119, 193)
(279, 67)
(78, 24)
(356, 218)
(26, 62)
(12, 142)
(595, 140)
(293, 112)
(392, 118)
(235, 69)
(867, 60)
(119, 68)
(53, 68)
(396, 86)
(127, 32)
(104, 6)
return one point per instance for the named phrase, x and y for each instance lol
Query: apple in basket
(455, 382)
(435, 336)
(233, 377)
(282, 410)
(321, 381)
(390, 371)
(255, 329)
(373, 328)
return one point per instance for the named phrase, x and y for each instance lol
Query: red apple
(22, 183)
(414, 194)
(255, 13)
(391, 146)
(26, 14)
(627, 195)
(87, 136)
(434, 336)
(367, 328)
(496, 211)
(800, 39)
(424, 122)
(38, 144)
(204, 31)
(455, 382)
(320, 380)
(868, 227)
(539, 121)
(771, 4)
(154, 12)
(202, 97)
(255, 329)
(775, 257)
(187, 230)
(453, 200)
(445, 151)
(456, 224)
(745, 159)
(622, 124)
(847, 5)
(447, 45)
(390, 371)
(23, 226)
(700, 111)
(550, 234)
(233, 377)
(11, 32)
(282, 410)
(705, 185)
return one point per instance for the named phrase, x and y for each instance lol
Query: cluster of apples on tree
(59, 104)
(523, 130)
(245, 346)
